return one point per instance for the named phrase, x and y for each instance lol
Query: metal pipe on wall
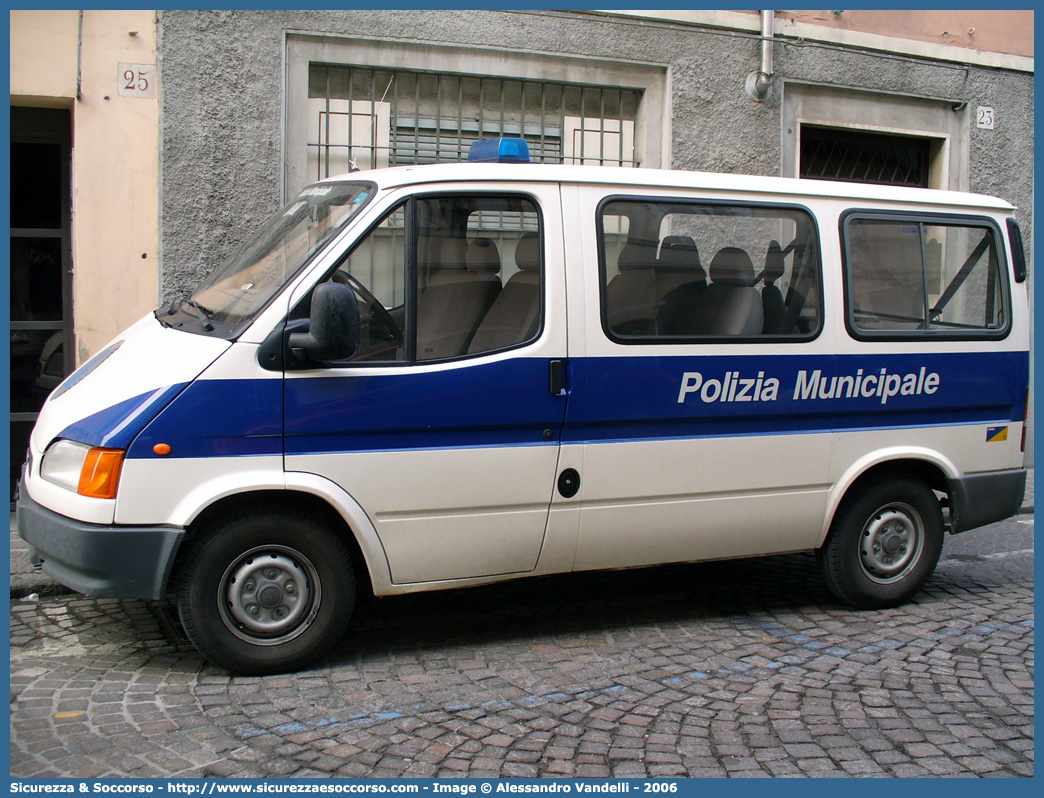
(79, 59)
(759, 83)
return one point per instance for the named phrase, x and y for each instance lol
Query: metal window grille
(378, 117)
(830, 154)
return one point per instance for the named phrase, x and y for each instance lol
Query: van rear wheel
(266, 591)
(884, 542)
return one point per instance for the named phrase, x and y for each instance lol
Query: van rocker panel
(99, 560)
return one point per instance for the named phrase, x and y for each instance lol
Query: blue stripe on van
(218, 418)
(610, 399)
(116, 426)
(638, 398)
(470, 405)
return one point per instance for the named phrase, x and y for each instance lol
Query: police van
(433, 377)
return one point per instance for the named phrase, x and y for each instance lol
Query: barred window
(369, 118)
(858, 157)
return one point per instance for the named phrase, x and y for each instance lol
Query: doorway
(41, 267)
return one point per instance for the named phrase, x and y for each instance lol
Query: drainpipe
(759, 84)
(79, 59)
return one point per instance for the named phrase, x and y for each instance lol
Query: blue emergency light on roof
(505, 150)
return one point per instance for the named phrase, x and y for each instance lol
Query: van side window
(376, 269)
(923, 276)
(478, 270)
(676, 271)
(446, 277)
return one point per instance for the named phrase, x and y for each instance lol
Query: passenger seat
(680, 278)
(515, 315)
(457, 298)
(775, 311)
(730, 305)
(679, 264)
(631, 298)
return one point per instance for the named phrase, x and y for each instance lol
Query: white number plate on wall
(137, 80)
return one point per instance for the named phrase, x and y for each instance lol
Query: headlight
(62, 463)
(89, 471)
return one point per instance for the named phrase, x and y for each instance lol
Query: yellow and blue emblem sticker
(996, 434)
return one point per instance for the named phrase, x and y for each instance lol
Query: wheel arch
(307, 493)
(926, 465)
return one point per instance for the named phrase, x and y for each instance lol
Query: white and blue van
(441, 376)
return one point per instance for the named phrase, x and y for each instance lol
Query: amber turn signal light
(100, 476)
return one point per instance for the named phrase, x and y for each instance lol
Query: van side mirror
(333, 327)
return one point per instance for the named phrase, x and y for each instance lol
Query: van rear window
(923, 276)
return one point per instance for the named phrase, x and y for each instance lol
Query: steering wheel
(382, 325)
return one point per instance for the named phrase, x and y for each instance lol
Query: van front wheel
(266, 591)
(884, 543)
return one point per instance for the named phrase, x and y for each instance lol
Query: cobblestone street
(744, 668)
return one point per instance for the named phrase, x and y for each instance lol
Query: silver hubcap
(891, 542)
(269, 595)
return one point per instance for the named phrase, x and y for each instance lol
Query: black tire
(884, 542)
(266, 591)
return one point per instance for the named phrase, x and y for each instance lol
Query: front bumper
(99, 560)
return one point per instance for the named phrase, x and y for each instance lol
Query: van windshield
(237, 290)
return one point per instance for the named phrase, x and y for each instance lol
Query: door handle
(556, 377)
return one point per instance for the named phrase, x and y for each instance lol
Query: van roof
(398, 176)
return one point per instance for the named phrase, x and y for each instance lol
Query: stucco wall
(34, 81)
(115, 182)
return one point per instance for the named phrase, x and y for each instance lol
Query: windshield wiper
(170, 310)
(202, 313)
